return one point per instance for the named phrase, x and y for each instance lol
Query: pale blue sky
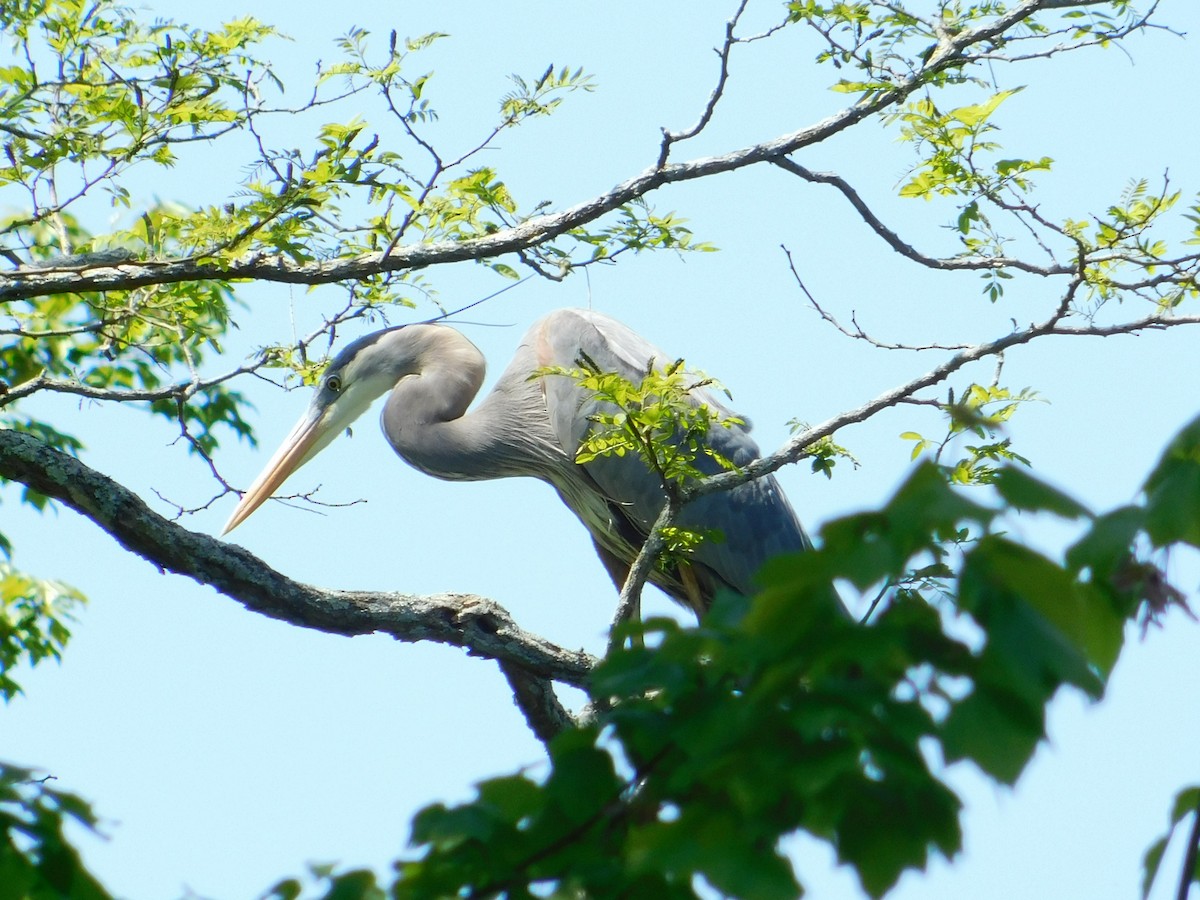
(225, 750)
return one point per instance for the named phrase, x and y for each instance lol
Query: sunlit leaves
(472, 205)
(127, 344)
(33, 622)
(952, 146)
(1124, 239)
(662, 419)
(543, 95)
(112, 92)
(665, 420)
(981, 410)
(637, 228)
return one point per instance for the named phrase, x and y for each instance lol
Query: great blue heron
(533, 426)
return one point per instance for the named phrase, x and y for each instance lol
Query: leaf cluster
(824, 452)
(34, 613)
(983, 411)
(1124, 239)
(781, 713)
(87, 91)
(36, 858)
(663, 419)
(638, 228)
(881, 43)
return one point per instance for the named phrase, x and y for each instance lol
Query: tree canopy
(185, 238)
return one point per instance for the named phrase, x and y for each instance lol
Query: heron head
(362, 372)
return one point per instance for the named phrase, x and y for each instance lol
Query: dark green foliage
(36, 860)
(1186, 804)
(710, 744)
(784, 714)
(1173, 491)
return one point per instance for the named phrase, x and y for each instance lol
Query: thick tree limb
(477, 624)
(535, 697)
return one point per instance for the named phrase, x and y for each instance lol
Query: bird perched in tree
(532, 424)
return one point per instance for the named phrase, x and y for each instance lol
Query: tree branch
(535, 697)
(906, 250)
(672, 137)
(28, 282)
(796, 448)
(479, 625)
(856, 332)
(629, 603)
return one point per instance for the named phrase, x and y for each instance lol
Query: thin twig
(857, 332)
(672, 137)
(905, 249)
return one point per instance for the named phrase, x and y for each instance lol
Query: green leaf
(993, 731)
(1173, 491)
(1150, 864)
(1043, 630)
(979, 113)
(1186, 803)
(1108, 543)
(1023, 491)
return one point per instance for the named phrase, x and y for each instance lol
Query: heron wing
(755, 521)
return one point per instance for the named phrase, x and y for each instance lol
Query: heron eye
(333, 384)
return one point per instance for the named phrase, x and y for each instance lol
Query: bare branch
(629, 603)
(856, 332)
(673, 137)
(906, 250)
(535, 697)
(181, 390)
(479, 625)
(795, 449)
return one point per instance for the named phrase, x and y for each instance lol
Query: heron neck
(426, 421)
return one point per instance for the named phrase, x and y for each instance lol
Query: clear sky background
(225, 750)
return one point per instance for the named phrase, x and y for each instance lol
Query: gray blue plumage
(755, 520)
(532, 426)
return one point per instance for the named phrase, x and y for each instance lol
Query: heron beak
(298, 448)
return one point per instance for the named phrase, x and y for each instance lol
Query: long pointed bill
(299, 447)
